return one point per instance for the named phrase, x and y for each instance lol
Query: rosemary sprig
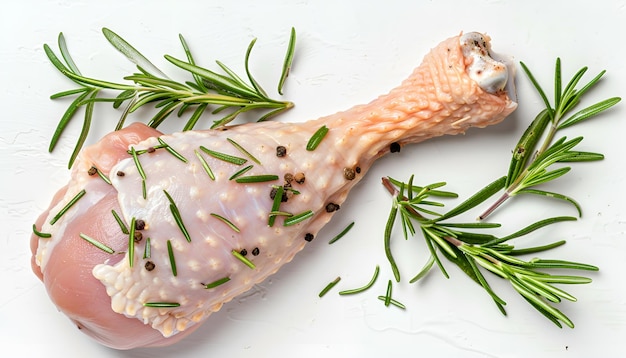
(472, 250)
(226, 95)
(532, 164)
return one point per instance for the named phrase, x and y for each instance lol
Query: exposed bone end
(492, 74)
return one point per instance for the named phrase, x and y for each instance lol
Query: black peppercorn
(281, 151)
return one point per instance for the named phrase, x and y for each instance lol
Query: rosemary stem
(505, 196)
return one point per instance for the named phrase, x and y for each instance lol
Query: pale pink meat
(439, 98)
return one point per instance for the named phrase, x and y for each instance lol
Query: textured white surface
(347, 53)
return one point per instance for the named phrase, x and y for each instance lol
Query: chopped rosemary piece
(140, 170)
(120, 222)
(43, 235)
(298, 218)
(170, 253)
(317, 137)
(172, 151)
(288, 60)
(205, 165)
(177, 217)
(137, 163)
(162, 304)
(216, 283)
(329, 286)
(392, 301)
(97, 244)
(67, 206)
(257, 178)
(240, 172)
(226, 221)
(276, 204)
(224, 157)
(147, 250)
(361, 289)
(131, 242)
(388, 294)
(243, 150)
(243, 259)
(341, 234)
(103, 177)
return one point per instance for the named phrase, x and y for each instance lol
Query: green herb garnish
(329, 286)
(162, 304)
(532, 165)
(317, 137)
(243, 151)
(97, 243)
(120, 222)
(243, 259)
(222, 93)
(43, 235)
(295, 219)
(67, 206)
(341, 234)
(226, 221)
(224, 157)
(205, 165)
(172, 151)
(170, 253)
(216, 283)
(257, 178)
(364, 288)
(177, 217)
(240, 172)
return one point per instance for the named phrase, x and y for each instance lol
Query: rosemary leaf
(162, 304)
(364, 288)
(131, 243)
(172, 151)
(226, 221)
(224, 157)
(243, 259)
(317, 138)
(257, 178)
(288, 61)
(43, 235)
(205, 165)
(243, 151)
(120, 222)
(216, 283)
(328, 287)
(68, 206)
(177, 217)
(240, 172)
(341, 234)
(276, 204)
(170, 253)
(295, 219)
(97, 243)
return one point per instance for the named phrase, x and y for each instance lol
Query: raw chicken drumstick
(193, 219)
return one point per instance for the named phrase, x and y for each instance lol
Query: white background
(347, 53)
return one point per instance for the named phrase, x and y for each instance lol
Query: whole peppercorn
(349, 173)
(149, 265)
(299, 178)
(281, 151)
(308, 237)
